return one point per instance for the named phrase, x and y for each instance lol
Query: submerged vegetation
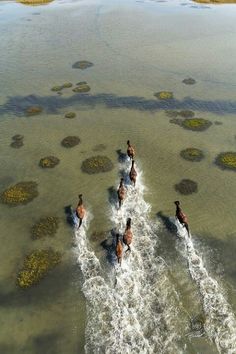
(184, 114)
(17, 141)
(20, 193)
(186, 186)
(36, 266)
(82, 87)
(164, 95)
(49, 162)
(45, 227)
(189, 81)
(70, 115)
(82, 64)
(34, 110)
(192, 154)
(97, 164)
(226, 160)
(70, 141)
(196, 124)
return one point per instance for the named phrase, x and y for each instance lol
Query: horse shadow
(121, 156)
(69, 215)
(172, 228)
(109, 245)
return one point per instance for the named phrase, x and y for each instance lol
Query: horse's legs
(80, 222)
(128, 249)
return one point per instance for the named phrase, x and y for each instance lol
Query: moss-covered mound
(34, 110)
(192, 154)
(20, 193)
(164, 95)
(70, 115)
(56, 88)
(186, 186)
(49, 162)
(17, 141)
(189, 81)
(196, 124)
(36, 266)
(45, 227)
(70, 141)
(82, 64)
(82, 87)
(226, 160)
(67, 85)
(97, 164)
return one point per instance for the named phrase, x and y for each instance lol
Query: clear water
(138, 48)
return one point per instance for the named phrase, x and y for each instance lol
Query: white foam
(220, 323)
(132, 309)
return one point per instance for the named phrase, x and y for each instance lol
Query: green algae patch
(33, 110)
(164, 95)
(49, 162)
(45, 227)
(186, 186)
(17, 141)
(189, 81)
(70, 115)
(97, 164)
(56, 88)
(35, 2)
(196, 124)
(192, 154)
(19, 194)
(36, 266)
(186, 114)
(82, 64)
(81, 87)
(70, 141)
(67, 85)
(226, 160)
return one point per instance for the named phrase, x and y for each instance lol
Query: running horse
(130, 150)
(119, 249)
(181, 216)
(121, 192)
(133, 174)
(80, 210)
(128, 235)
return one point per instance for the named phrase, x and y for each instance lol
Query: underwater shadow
(167, 223)
(69, 215)
(109, 245)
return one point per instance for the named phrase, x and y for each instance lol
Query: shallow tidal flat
(97, 74)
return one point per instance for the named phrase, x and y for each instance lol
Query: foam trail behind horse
(220, 323)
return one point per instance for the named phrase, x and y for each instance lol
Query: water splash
(220, 323)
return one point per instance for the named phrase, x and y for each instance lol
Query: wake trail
(220, 323)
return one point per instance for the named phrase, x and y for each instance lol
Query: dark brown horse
(133, 174)
(130, 150)
(80, 210)
(119, 249)
(181, 216)
(121, 192)
(128, 235)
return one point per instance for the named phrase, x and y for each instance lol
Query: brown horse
(121, 192)
(181, 216)
(130, 150)
(128, 235)
(119, 249)
(133, 174)
(80, 210)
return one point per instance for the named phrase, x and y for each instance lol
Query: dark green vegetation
(226, 160)
(164, 95)
(49, 162)
(46, 226)
(82, 64)
(20, 193)
(70, 115)
(97, 164)
(183, 114)
(192, 154)
(17, 141)
(186, 186)
(36, 266)
(196, 124)
(189, 81)
(82, 87)
(70, 141)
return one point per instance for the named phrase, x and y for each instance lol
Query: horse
(181, 217)
(128, 235)
(133, 174)
(121, 192)
(119, 249)
(130, 150)
(80, 210)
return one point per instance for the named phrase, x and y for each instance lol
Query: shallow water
(138, 48)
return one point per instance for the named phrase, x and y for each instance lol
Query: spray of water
(220, 323)
(133, 308)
